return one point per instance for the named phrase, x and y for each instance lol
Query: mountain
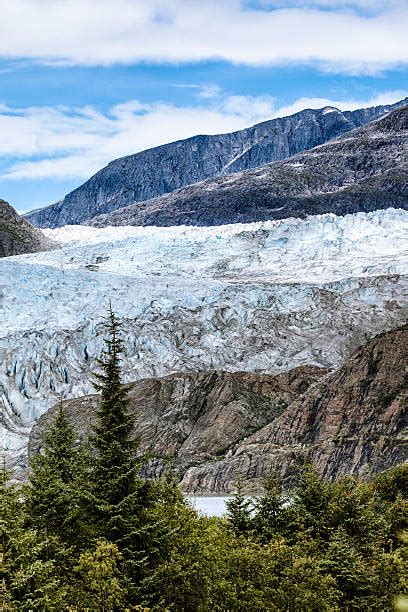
(353, 421)
(365, 169)
(17, 235)
(195, 416)
(264, 298)
(163, 169)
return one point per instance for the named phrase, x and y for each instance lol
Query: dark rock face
(164, 169)
(193, 417)
(17, 236)
(363, 170)
(217, 426)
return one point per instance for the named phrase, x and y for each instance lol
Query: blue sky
(85, 81)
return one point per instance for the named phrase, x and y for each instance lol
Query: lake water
(210, 506)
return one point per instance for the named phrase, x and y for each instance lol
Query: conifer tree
(121, 498)
(311, 502)
(29, 577)
(270, 519)
(239, 509)
(116, 467)
(53, 494)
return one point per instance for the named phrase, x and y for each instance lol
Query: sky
(83, 82)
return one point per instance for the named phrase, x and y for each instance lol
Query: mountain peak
(330, 109)
(362, 170)
(162, 170)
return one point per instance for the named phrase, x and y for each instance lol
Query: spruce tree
(239, 511)
(29, 576)
(311, 501)
(270, 519)
(120, 496)
(116, 467)
(53, 493)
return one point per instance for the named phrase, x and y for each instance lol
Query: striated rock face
(355, 421)
(363, 170)
(163, 169)
(193, 417)
(17, 236)
(352, 421)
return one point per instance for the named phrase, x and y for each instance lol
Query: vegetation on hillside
(89, 533)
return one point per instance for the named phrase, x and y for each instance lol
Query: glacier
(262, 297)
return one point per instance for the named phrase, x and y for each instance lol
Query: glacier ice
(263, 297)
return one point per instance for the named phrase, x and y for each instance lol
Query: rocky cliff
(363, 170)
(351, 421)
(166, 168)
(17, 236)
(355, 421)
(194, 416)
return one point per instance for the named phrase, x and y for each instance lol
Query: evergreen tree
(311, 501)
(239, 511)
(120, 497)
(116, 468)
(346, 564)
(29, 575)
(53, 495)
(270, 520)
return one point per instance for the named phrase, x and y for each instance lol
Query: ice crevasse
(262, 297)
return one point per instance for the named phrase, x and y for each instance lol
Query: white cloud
(75, 142)
(388, 97)
(208, 92)
(373, 6)
(332, 34)
(64, 142)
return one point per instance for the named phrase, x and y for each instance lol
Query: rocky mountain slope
(351, 421)
(166, 168)
(263, 298)
(195, 416)
(363, 170)
(354, 422)
(17, 235)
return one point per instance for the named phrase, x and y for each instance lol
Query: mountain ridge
(150, 173)
(363, 170)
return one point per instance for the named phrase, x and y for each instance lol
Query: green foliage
(311, 504)
(239, 511)
(29, 575)
(392, 483)
(115, 468)
(98, 586)
(271, 517)
(89, 533)
(122, 502)
(118, 490)
(212, 569)
(54, 492)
